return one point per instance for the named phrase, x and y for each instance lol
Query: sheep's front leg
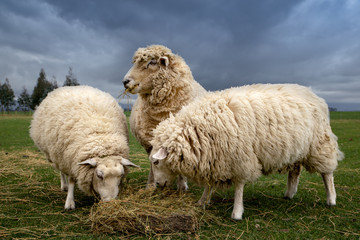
(70, 203)
(182, 184)
(206, 196)
(238, 201)
(151, 182)
(293, 181)
(330, 188)
(64, 183)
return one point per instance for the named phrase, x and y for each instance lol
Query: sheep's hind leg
(70, 203)
(182, 184)
(293, 181)
(238, 201)
(330, 188)
(64, 182)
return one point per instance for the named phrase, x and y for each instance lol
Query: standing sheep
(83, 132)
(164, 84)
(234, 136)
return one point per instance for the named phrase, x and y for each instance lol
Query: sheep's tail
(340, 155)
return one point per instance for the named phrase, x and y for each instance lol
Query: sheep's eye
(100, 175)
(156, 162)
(152, 62)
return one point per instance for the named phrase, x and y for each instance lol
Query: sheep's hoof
(183, 187)
(64, 189)
(330, 205)
(70, 206)
(201, 204)
(151, 186)
(235, 217)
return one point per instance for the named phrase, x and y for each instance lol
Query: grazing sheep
(83, 132)
(164, 84)
(234, 136)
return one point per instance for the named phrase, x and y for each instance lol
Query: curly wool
(173, 88)
(73, 124)
(240, 133)
(151, 52)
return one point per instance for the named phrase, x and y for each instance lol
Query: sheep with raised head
(164, 84)
(234, 136)
(83, 132)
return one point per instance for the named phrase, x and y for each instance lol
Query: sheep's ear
(91, 162)
(161, 154)
(164, 61)
(127, 162)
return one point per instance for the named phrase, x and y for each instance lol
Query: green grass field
(32, 204)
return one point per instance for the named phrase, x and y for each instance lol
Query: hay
(147, 212)
(125, 95)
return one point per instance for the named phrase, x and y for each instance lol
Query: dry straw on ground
(147, 212)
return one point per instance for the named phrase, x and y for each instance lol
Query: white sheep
(234, 136)
(83, 132)
(164, 84)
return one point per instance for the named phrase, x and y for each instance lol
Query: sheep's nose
(125, 82)
(161, 185)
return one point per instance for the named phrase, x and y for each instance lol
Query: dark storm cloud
(226, 43)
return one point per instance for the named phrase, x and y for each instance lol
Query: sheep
(83, 132)
(234, 136)
(164, 84)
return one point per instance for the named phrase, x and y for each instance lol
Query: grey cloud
(226, 44)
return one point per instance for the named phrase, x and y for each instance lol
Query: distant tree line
(27, 102)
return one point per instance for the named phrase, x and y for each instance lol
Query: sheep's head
(163, 176)
(108, 175)
(149, 63)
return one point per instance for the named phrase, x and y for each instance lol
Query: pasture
(32, 204)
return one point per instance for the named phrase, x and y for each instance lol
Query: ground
(32, 204)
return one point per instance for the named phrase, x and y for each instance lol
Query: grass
(32, 204)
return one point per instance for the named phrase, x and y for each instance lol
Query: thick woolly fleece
(172, 88)
(73, 124)
(238, 134)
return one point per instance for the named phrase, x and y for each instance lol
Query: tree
(24, 100)
(7, 96)
(42, 88)
(50, 86)
(70, 79)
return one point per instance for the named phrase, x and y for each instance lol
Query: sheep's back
(74, 123)
(285, 120)
(243, 132)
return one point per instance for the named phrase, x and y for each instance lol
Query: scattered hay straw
(125, 95)
(146, 212)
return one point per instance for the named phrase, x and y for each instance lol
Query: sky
(230, 43)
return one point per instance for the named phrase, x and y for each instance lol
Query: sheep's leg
(293, 181)
(238, 201)
(182, 183)
(64, 182)
(330, 188)
(206, 196)
(151, 182)
(70, 203)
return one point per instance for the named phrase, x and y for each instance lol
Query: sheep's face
(140, 77)
(108, 176)
(163, 176)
